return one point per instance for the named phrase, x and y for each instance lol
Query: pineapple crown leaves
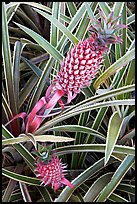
(105, 29)
(44, 153)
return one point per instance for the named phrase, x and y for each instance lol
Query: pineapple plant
(86, 167)
(76, 71)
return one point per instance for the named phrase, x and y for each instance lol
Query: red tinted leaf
(61, 103)
(33, 121)
(55, 99)
(48, 91)
(20, 115)
(66, 182)
(34, 125)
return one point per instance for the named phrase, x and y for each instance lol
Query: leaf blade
(117, 177)
(60, 26)
(114, 127)
(42, 42)
(121, 62)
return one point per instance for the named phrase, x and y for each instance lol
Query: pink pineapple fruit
(49, 169)
(83, 61)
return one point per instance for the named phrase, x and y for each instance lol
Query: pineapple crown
(103, 31)
(44, 153)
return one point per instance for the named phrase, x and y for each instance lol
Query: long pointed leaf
(105, 8)
(20, 148)
(12, 183)
(21, 178)
(40, 138)
(11, 11)
(77, 128)
(121, 62)
(117, 177)
(37, 71)
(114, 128)
(54, 30)
(42, 42)
(94, 148)
(96, 187)
(16, 62)
(40, 6)
(59, 25)
(103, 96)
(7, 62)
(72, 8)
(81, 110)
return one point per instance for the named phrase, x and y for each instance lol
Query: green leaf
(21, 178)
(121, 62)
(114, 128)
(116, 198)
(99, 118)
(16, 72)
(6, 108)
(83, 118)
(128, 188)
(40, 138)
(7, 62)
(45, 194)
(54, 30)
(25, 192)
(131, 19)
(81, 110)
(121, 157)
(36, 60)
(27, 89)
(128, 136)
(11, 185)
(23, 17)
(94, 148)
(20, 148)
(83, 26)
(59, 25)
(43, 43)
(77, 128)
(90, 12)
(42, 7)
(72, 8)
(130, 78)
(95, 126)
(103, 96)
(37, 71)
(96, 187)
(117, 8)
(105, 8)
(124, 36)
(117, 177)
(11, 11)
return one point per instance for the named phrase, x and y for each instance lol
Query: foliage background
(35, 39)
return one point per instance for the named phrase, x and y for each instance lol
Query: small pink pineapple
(50, 170)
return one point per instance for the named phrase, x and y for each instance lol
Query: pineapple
(83, 61)
(49, 168)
